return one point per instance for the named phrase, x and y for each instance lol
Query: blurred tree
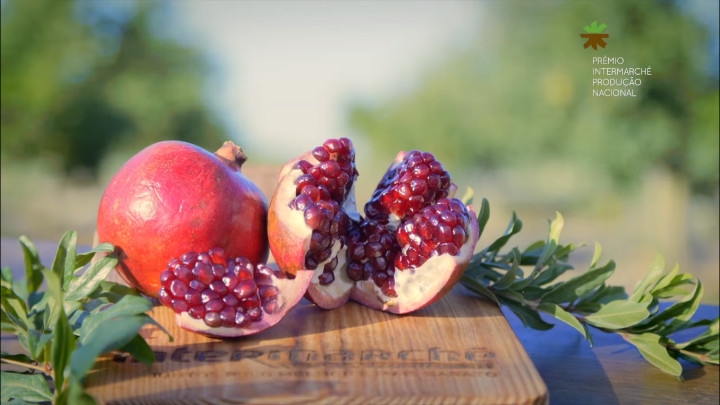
(520, 95)
(82, 78)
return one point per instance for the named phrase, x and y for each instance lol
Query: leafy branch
(586, 301)
(67, 325)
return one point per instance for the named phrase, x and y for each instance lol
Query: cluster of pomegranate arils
(321, 189)
(224, 292)
(414, 191)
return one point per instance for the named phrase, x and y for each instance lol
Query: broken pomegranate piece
(228, 297)
(406, 252)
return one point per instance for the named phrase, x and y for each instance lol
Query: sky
(288, 69)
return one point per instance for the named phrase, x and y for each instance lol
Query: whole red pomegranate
(174, 197)
(410, 247)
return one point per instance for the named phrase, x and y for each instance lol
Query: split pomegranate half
(408, 249)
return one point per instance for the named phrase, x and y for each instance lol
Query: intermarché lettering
(432, 357)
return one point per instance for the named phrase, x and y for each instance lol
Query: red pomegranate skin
(174, 197)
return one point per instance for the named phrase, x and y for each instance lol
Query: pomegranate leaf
(585, 301)
(65, 327)
(29, 387)
(32, 264)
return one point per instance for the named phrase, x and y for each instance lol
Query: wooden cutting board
(459, 350)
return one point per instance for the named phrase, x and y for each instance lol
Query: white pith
(341, 285)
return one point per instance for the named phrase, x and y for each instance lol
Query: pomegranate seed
(217, 255)
(197, 285)
(314, 216)
(230, 300)
(166, 276)
(189, 258)
(333, 145)
(271, 306)
(165, 297)
(245, 289)
(193, 298)
(214, 305)
(203, 272)
(197, 312)
(179, 306)
(240, 319)
(218, 287)
(230, 281)
(302, 202)
(218, 271)
(178, 288)
(326, 277)
(320, 154)
(212, 319)
(255, 313)
(209, 295)
(183, 273)
(227, 316)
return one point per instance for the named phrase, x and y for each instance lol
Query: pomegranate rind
(288, 234)
(173, 197)
(420, 287)
(291, 292)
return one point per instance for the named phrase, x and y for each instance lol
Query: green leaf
(564, 316)
(618, 315)
(556, 227)
(113, 335)
(514, 227)
(33, 266)
(528, 316)
(82, 286)
(478, 288)
(580, 285)
(21, 357)
(63, 344)
(111, 292)
(654, 352)
(644, 286)
(509, 277)
(681, 311)
(551, 273)
(483, 215)
(596, 256)
(55, 297)
(140, 350)
(592, 302)
(26, 387)
(75, 395)
(14, 308)
(84, 258)
(64, 263)
(101, 321)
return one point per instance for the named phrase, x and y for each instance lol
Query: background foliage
(80, 78)
(520, 94)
